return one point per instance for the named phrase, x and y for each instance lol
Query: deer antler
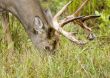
(62, 10)
(80, 20)
(77, 12)
(58, 28)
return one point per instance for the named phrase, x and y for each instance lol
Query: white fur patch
(38, 23)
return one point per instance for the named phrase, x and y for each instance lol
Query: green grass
(70, 61)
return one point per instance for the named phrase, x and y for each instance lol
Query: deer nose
(48, 48)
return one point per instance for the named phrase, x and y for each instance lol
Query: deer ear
(38, 23)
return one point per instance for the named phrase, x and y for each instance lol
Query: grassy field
(70, 61)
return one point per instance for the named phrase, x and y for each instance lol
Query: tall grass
(70, 61)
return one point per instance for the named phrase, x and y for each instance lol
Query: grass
(70, 61)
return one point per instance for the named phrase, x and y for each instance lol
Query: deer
(41, 26)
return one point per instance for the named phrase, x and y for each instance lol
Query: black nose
(48, 48)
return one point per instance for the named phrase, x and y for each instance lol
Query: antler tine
(62, 10)
(80, 8)
(69, 19)
(90, 17)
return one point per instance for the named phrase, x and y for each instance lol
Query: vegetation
(70, 61)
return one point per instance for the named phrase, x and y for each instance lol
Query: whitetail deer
(41, 27)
